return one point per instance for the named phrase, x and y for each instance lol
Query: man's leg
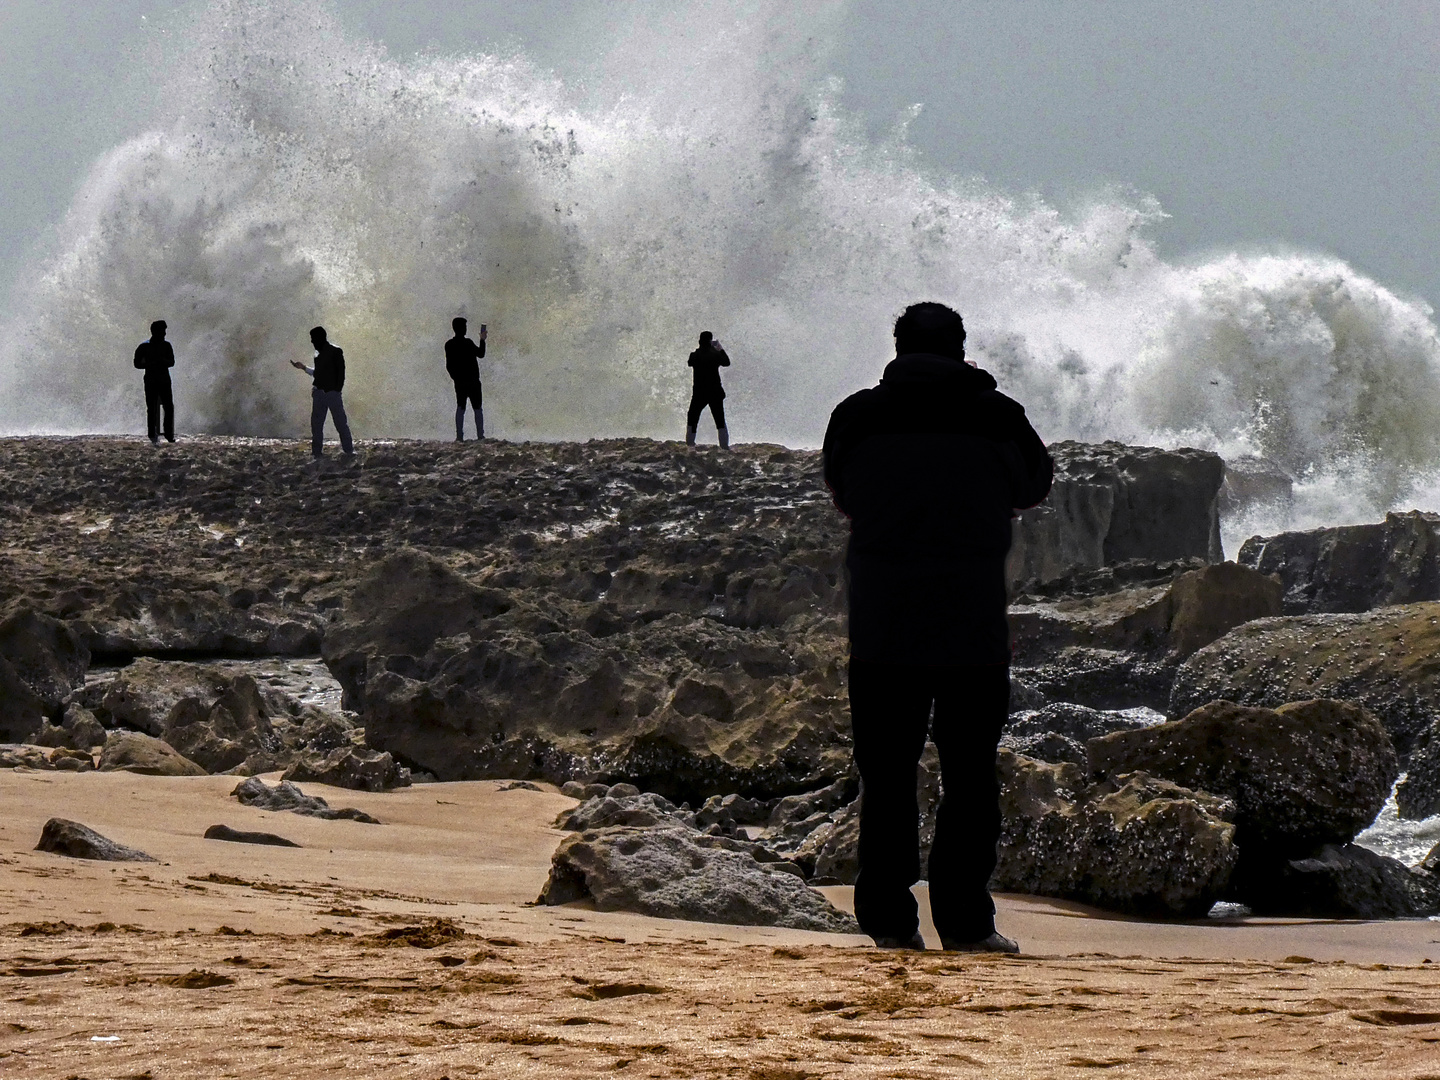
(717, 410)
(167, 401)
(152, 411)
(318, 409)
(889, 713)
(337, 410)
(459, 412)
(971, 708)
(477, 402)
(692, 418)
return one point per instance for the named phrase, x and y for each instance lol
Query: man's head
(317, 336)
(157, 330)
(458, 325)
(705, 338)
(930, 328)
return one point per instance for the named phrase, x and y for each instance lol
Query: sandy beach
(412, 946)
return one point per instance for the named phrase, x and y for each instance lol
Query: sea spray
(707, 179)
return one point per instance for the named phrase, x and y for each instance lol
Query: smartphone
(482, 328)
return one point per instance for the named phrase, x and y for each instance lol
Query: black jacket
(707, 363)
(462, 360)
(329, 368)
(929, 467)
(155, 358)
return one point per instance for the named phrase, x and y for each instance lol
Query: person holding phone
(462, 361)
(325, 395)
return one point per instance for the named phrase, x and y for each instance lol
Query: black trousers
(698, 405)
(469, 393)
(890, 708)
(158, 395)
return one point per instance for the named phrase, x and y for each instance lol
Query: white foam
(302, 176)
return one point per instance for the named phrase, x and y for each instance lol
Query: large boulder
(221, 734)
(672, 872)
(350, 767)
(1112, 503)
(1352, 567)
(134, 751)
(42, 660)
(1132, 843)
(1307, 774)
(1177, 618)
(1387, 660)
(159, 617)
(1342, 881)
(478, 684)
(1418, 795)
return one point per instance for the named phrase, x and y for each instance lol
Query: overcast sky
(1306, 124)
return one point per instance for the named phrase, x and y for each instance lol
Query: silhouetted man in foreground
(929, 466)
(329, 376)
(156, 357)
(707, 361)
(462, 361)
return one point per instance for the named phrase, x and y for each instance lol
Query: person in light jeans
(329, 380)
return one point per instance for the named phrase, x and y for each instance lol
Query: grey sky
(1299, 123)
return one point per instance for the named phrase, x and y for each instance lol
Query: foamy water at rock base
(295, 175)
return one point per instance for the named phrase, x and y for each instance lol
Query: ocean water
(294, 174)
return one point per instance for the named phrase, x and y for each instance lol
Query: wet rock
(676, 873)
(42, 655)
(1343, 881)
(1113, 503)
(1306, 774)
(133, 751)
(1352, 568)
(1077, 722)
(78, 841)
(1133, 844)
(1176, 618)
(1105, 679)
(239, 836)
(1046, 746)
(147, 618)
(285, 796)
(1418, 795)
(347, 767)
(1382, 660)
(1252, 482)
(142, 695)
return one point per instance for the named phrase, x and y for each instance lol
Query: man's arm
(169, 355)
(480, 348)
(1039, 472)
(724, 358)
(140, 355)
(832, 455)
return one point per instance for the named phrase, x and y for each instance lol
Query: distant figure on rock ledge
(462, 361)
(707, 361)
(156, 357)
(329, 376)
(929, 466)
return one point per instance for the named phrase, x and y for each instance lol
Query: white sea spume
(301, 176)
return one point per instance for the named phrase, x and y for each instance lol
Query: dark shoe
(169, 438)
(996, 942)
(154, 440)
(915, 941)
(459, 438)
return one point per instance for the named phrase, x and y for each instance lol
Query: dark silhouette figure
(329, 376)
(462, 361)
(707, 361)
(929, 467)
(156, 357)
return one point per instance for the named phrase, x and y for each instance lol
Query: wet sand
(313, 969)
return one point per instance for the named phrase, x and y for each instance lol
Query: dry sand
(236, 960)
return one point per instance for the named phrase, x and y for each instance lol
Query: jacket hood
(920, 369)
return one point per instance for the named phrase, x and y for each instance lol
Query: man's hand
(484, 333)
(297, 365)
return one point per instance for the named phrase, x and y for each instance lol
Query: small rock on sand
(81, 842)
(238, 836)
(286, 796)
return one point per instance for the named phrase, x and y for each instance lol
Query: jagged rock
(732, 810)
(24, 756)
(1382, 660)
(1177, 617)
(146, 618)
(671, 872)
(1418, 795)
(78, 841)
(78, 730)
(1134, 844)
(1105, 679)
(219, 736)
(1113, 503)
(285, 796)
(468, 682)
(640, 810)
(1077, 722)
(1252, 481)
(347, 767)
(1353, 568)
(834, 851)
(133, 751)
(1343, 881)
(239, 836)
(142, 695)
(42, 660)
(1306, 774)
(1046, 746)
